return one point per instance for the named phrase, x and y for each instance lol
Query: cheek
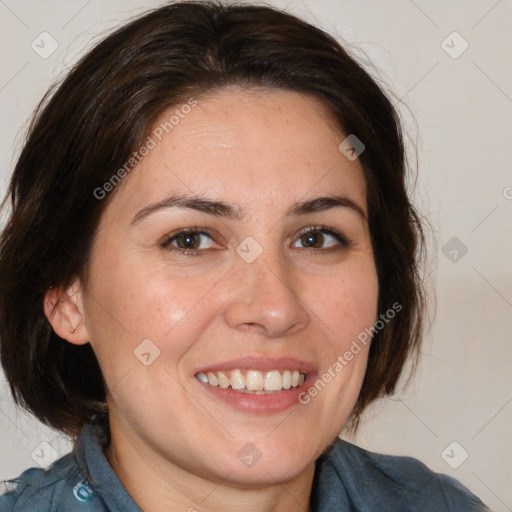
(347, 303)
(134, 300)
(131, 304)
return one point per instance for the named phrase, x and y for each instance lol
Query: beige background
(463, 112)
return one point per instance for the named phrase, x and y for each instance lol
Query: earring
(72, 330)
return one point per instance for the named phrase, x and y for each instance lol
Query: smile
(253, 381)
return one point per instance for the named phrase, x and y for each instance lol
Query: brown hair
(88, 127)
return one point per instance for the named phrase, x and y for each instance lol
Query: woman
(210, 270)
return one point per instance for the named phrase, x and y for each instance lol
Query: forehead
(256, 148)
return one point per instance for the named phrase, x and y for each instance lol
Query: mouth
(254, 381)
(255, 384)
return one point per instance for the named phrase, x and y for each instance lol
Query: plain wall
(462, 105)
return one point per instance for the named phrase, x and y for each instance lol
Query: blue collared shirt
(347, 479)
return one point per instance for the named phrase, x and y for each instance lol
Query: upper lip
(260, 363)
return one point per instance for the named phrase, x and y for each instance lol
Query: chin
(264, 462)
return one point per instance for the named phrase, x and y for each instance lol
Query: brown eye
(188, 241)
(321, 238)
(313, 239)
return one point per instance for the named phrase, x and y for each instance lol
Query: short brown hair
(87, 128)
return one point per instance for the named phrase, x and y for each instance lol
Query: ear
(65, 312)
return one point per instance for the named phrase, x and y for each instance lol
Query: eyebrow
(234, 212)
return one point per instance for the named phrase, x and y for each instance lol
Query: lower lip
(259, 404)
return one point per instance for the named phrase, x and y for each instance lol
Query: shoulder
(61, 486)
(392, 483)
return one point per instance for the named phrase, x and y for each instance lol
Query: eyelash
(344, 242)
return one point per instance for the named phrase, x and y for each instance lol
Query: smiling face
(267, 288)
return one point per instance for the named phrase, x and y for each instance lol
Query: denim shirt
(347, 479)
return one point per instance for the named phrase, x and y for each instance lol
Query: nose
(265, 298)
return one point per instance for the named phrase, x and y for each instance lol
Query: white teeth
(287, 379)
(224, 381)
(254, 381)
(202, 377)
(273, 381)
(237, 380)
(212, 379)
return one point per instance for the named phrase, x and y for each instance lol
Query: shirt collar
(96, 468)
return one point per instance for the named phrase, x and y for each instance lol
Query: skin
(174, 446)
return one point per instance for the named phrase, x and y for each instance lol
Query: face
(267, 286)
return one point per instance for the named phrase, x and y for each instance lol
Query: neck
(156, 484)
